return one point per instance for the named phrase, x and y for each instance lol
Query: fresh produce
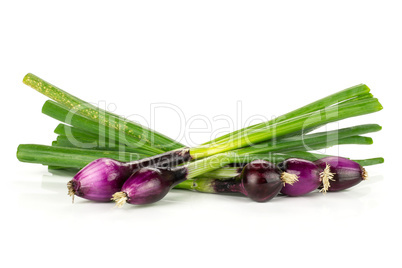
(186, 155)
(138, 165)
(339, 173)
(214, 162)
(148, 185)
(110, 176)
(95, 173)
(234, 169)
(306, 172)
(297, 179)
(140, 173)
(259, 180)
(70, 156)
(187, 171)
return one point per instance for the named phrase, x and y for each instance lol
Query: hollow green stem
(74, 137)
(66, 130)
(311, 120)
(77, 142)
(101, 145)
(187, 185)
(370, 161)
(58, 112)
(320, 117)
(344, 95)
(357, 140)
(306, 141)
(68, 157)
(102, 117)
(222, 173)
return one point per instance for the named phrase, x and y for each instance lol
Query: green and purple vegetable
(253, 182)
(259, 181)
(129, 163)
(318, 140)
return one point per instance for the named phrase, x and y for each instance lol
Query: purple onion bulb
(148, 185)
(338, 173)
(99, 180)
(103, 177)
(306, 172)
(260, 181)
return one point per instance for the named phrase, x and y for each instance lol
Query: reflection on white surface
(48, 194)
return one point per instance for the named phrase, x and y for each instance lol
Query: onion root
(120, 198)
(288, 178)
(364, 174)
(71, 191)
(325, 177)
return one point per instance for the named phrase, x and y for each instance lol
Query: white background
(202, 57)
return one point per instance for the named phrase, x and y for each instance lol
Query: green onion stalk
(350, 102)
(357, 92)
(134, 135)
(295, 124)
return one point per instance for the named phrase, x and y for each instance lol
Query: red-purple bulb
(99, 180)
(103, 177)
(149, 185)
(260, 181)
(308, 176)
(340, 173)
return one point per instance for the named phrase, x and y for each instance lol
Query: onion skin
(149, 185)
(308, 174)
(99, 180)
(260, 181)
(347, 173)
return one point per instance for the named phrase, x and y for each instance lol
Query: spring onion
(151, 163)
(330, 173)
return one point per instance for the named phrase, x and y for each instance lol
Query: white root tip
(325, 177)
(288, 178)
(71, 191)
(364, 174)
(120, 198)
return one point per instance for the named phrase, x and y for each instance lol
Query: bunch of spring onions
(120, 160)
